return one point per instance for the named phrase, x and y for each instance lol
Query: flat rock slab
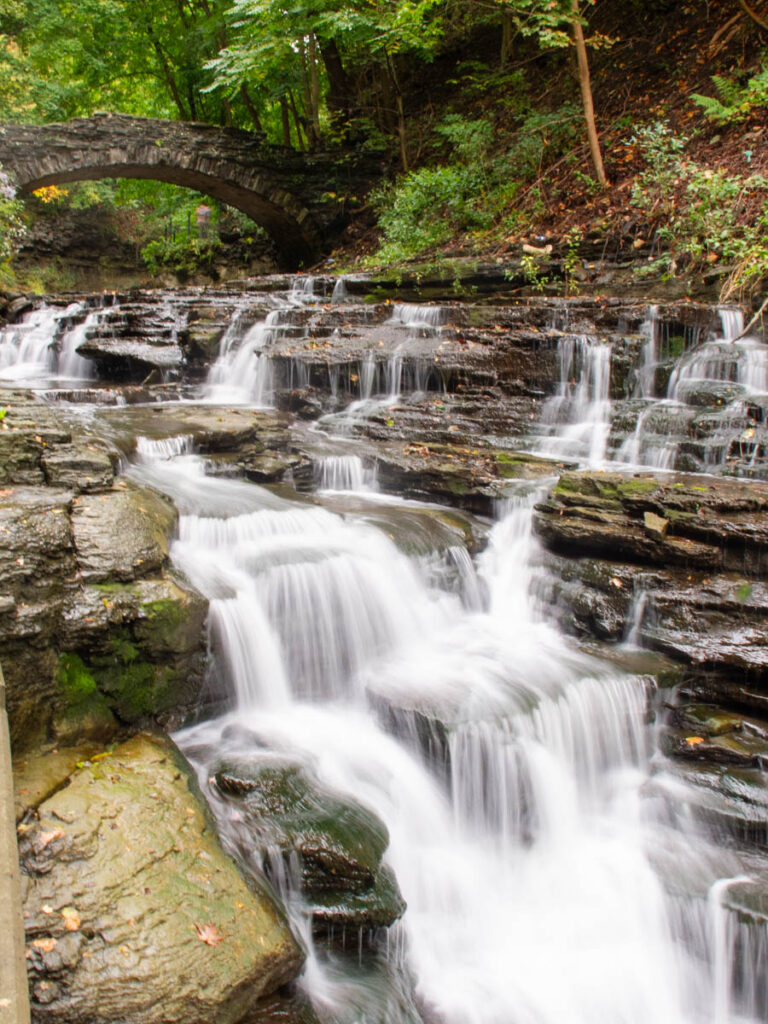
(133, 911)
(462, 475)
(697, 522)
(81, 467)
(35, 537)
(210, 428)
(131, 359)
(123, 534)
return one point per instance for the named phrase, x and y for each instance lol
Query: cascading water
(577, 419)
(708, 403)
(517, 839)
(42, 347)
(344, 473)
(242, 374)
(553, 866)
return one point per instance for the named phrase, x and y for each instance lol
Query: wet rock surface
(92, 624)
(339, 843)
(130, 902)
(711, 523)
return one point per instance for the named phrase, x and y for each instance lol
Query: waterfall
(518, 842)
(731, 359)
(577, 418)
(242, 373)
(552, 863)
(723, 946)
(339, 293)
(646, 370)
(429, 318)
(42, 347)
(344, 473)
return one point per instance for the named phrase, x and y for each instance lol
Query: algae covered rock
(137, 647)
(339, 842)
(133, 911)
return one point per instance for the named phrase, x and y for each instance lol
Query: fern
(734, 102)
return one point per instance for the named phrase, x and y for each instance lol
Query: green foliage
(571, 260)
(703, 216)
(478, 189)
(532, 272)
(734, 102)
(11, 225)
(183, 257)
(653, 189)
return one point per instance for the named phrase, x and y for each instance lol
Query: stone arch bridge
(297, 198)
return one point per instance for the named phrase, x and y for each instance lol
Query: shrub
(702, 216)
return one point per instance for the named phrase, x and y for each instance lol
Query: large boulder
(133, 911)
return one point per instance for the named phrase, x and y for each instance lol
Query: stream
(548, 853)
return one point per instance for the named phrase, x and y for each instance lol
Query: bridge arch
(276, 187)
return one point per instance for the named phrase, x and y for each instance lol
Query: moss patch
(83, 708)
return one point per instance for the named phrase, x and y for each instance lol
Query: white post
(14, 994)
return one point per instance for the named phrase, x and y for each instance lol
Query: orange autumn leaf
(71, 919)
(209, 934)
(693, 741)
(45, 945)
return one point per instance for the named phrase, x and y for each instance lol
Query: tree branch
(753, 15)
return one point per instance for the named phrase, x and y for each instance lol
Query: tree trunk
(586, 95)
(402, 139)
(285, 118)
(314, 87)
(340, 99)
(249, 105)
(507, 30)
(297, 120)
(170, 81)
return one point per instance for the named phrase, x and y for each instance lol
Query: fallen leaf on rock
(47, 837)
(45, 945)
(693, 741)
(209, 934)
(71, 919)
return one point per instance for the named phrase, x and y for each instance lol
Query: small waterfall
(731, 359)
(425, 318)
(577, 419)
(27, 349)
(303, 291)
(344, 473)
(43, 346)
(732, 322)
(70, 363)
(242, 373)
(340, 291)
(722, 947)
(165, 448)
(650, 357)
(635, 619)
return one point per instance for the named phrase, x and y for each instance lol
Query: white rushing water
(41, 348)
(522, 852)
(576, 421)
(553, 867)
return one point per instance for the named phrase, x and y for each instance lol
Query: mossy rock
(340, 843)
(139, 650)
(132, 904)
